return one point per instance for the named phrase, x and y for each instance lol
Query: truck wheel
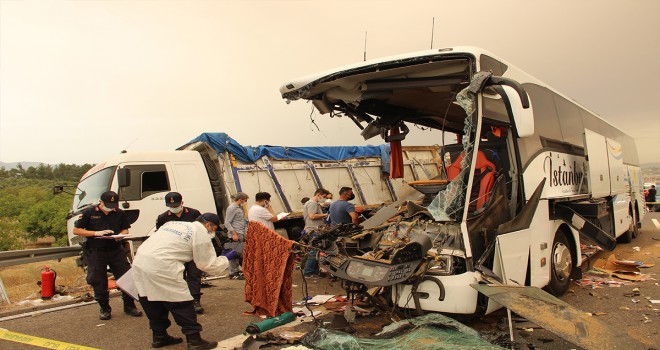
(561, 265)
(294, 232)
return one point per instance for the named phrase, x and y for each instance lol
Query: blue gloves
(231, 255)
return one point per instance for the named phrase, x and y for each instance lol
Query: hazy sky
(82, 80)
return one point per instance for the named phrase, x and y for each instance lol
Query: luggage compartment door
(597, 165)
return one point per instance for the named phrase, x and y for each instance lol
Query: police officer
(96, 224)
(177, 212)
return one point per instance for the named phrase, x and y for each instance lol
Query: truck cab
(142, 180)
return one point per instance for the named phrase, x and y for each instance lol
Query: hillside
(25, 165)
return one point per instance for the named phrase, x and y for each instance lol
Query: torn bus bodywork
(530, 172)
(430, 251)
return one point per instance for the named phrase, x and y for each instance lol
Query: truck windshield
(90, 189)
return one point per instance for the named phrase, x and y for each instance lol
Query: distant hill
(650, 165)
(25, 165)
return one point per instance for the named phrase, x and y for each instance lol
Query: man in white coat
(158, 274)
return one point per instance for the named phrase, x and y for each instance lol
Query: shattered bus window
(449, 203)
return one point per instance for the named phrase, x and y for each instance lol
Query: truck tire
(561, 265)
(294, 233)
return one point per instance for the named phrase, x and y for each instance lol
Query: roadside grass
(20, 281)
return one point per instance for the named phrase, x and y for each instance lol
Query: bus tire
(631, 233)
(561, 264)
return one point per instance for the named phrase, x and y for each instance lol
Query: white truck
(213, 166)
(531, 173)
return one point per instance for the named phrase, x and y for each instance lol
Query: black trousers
(193, 276)
(98, 261)
(182, 311)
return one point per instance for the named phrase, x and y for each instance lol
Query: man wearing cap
(236, 225)
(96, 224)
(158, 270)
(177, 212)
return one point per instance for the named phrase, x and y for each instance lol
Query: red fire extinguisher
(48, 277)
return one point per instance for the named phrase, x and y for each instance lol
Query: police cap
(173, 199)
(110, 200)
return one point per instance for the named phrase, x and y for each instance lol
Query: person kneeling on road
(158, 269)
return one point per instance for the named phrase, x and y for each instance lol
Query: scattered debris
(589, 249)
(637, 249)
(526, 325)
(305, 312)
(596, 278)
(622, 269)
(414, 333)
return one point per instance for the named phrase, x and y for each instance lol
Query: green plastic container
(270, 323)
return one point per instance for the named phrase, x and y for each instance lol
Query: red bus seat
(484, 176)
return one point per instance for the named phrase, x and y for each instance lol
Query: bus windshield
(90, 189)
(449, 203)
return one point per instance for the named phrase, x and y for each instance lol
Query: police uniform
(187, 215)
(104, 252)
(193, 275)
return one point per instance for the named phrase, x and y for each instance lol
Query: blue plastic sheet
(221, 143)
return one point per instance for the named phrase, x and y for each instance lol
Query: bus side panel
(636, 191)
(620, 210)
(598, 164)
(617, 171)
(565, 174)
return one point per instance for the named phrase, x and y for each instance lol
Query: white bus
(531, 172)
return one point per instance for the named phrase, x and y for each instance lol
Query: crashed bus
(531, 174)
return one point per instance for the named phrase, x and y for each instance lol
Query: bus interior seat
(483, 180)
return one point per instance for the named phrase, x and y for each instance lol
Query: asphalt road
(224, 306)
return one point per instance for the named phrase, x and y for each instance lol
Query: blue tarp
(221, 143)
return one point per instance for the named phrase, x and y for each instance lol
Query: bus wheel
(561, 265)
(631, 233)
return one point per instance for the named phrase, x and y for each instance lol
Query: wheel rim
(562, 261)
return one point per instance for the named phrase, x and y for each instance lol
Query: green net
(430, 332)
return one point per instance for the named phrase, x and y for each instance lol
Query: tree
(28, 209)
(10, 234)
(46, 218)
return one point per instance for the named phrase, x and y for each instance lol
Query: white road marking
(656, 223)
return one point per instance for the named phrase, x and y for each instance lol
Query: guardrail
(18, 257)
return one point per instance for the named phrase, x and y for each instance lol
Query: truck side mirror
(124, 177)
(58, 189)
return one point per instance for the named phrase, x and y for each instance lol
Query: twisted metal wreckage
(411, 243)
